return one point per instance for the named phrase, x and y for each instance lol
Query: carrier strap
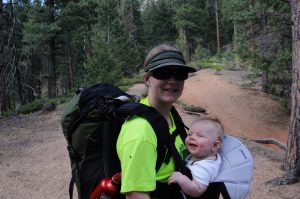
(157, 122)
(180, 130)
(71, 187)
(164, 139)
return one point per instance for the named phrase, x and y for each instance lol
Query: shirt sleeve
(138, 166)
(204, 171)
(136, 147)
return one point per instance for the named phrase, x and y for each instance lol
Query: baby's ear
(217, 146)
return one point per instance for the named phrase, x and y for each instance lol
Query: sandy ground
(34, 162)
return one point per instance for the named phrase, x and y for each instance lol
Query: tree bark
(108, 23)
(217, 25)
(51, 57)
(292, 162)
(88, 42)
(16, 56)
(2, 81)
(52, 70)
(70, 69)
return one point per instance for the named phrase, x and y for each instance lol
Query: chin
(169, 101)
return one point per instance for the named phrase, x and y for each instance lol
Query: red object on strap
(107, 186)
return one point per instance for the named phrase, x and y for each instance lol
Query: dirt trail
(34, 162)
(244, 112)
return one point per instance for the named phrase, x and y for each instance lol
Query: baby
(203, 142)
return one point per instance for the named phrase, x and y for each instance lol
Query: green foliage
(36, 105)
(158, 23)
(228, 55)
(197, 64)
(104, 41)
(195, 22)
(101, 67)
(260, 42)
(126, 83)
(201, 53)
(8, 113)
(215, 66)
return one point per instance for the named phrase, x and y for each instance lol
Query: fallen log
(272, 141)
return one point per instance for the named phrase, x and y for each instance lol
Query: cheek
(186, 141)
(154, 83)
(181, 87)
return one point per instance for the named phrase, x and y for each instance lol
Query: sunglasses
(165, 73)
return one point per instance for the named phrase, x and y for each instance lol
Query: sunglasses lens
(161, 74)
(182, 76)
(164, 74)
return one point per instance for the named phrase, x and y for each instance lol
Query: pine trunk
(293, 155)
(70, 69)
(2, 81)
(51, 58)
(52, 70)
(217, 25)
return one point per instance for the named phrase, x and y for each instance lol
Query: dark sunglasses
(165, 73)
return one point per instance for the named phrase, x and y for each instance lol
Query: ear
(147, 79)
(216, 146)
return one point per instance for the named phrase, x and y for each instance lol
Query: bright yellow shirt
(136, 148)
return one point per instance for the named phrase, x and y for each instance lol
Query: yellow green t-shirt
(136, 148)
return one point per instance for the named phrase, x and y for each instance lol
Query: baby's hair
(219, 129)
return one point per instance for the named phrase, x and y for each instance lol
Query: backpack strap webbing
(71, 187)
(214, 190)
(181, 131)
(157, 122)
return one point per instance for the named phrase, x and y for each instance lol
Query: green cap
(168, 58)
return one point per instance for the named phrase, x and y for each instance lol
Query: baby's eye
(199, 135)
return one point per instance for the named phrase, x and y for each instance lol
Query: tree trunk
(186, 44)
(16, 56)
(2, 81)
(108, 23)
(88, 42)
(51, 57)
(293, 154)
(70, 69)
(52, 70)
(217, 25)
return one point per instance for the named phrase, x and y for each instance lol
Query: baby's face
(199, 141)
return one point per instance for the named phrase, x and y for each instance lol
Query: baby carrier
(235, 173)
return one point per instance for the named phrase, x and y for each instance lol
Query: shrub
(36, 105)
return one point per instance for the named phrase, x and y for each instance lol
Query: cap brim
(176, 65)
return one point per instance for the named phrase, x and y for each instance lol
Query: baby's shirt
(204, 171)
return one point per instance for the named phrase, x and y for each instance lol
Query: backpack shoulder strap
(157, 122)
(160, 126)
(180, 126)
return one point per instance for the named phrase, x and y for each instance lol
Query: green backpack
(91, 123)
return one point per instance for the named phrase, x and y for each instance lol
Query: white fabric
(204, 171)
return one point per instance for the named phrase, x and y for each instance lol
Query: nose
(172, 79)
(190, 137)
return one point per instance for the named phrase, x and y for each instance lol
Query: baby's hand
(174, 178)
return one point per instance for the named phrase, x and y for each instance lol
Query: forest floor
(34, 162)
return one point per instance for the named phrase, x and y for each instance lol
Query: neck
(163, 109)
(210, 157)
